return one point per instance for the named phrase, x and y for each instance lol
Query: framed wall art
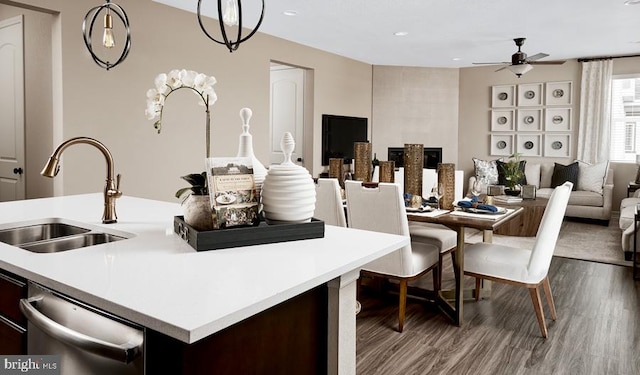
(529, 144)
(557, 119)
(530, 94)
(501, 144)
(559, 93)
(529, 120)
(502, 120)
(557, 145)
(503, 96)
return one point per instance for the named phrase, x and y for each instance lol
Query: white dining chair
(523, 267)
(445, 239)
(329, 207)
(381, 209)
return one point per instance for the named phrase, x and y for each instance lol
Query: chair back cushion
(549, 230)
(380, 209)
(329, 202)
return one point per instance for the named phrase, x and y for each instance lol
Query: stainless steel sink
(38, 232)
(70, 242)
(55, 235)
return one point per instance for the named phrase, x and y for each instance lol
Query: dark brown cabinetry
(13, 325)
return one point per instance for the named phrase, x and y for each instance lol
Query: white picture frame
(557, 145)
(559, 93)
(503, 120)
(557, 119)
(529, 120)
(530, 94)
(501, 144)
(529, 144)
(503, 96)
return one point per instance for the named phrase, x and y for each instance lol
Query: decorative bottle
(245, 149)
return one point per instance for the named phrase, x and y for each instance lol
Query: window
(625, 118)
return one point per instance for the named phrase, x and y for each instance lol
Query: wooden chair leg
(547, 292)
(476, 292)
(453, 261)
(437, 278)
(403, 304)
(537, 306)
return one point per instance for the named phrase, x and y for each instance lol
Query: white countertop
(157, 280)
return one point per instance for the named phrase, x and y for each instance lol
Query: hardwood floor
(597, 331)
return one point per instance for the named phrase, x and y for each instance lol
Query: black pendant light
(230, 15)
(108, 39)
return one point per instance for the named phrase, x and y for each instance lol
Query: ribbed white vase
(288, 192)
(245, 149)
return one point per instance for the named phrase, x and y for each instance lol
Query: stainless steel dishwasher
(87, 340)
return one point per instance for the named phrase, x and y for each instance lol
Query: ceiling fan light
(520, 69)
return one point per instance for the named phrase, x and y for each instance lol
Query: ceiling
(446, 33)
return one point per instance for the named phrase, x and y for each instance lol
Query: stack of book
(506, 199)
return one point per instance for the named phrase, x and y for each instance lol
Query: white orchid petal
(161, 82)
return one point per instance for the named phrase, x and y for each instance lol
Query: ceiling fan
(520, 63)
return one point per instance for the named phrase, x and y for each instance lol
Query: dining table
(459, 220)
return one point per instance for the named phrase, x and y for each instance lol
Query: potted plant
(513, 174)
(196, 206)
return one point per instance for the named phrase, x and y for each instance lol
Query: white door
(12, 186)
(287, 111)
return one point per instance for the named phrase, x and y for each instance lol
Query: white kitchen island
(155, 279)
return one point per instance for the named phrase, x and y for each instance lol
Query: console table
(527, 223)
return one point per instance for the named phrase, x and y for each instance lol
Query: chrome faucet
(111, 189)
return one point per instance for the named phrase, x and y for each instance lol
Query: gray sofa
(582, 203)
(627, 213)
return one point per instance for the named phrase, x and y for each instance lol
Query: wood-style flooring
(597, 331)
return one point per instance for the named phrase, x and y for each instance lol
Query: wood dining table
(459, 223)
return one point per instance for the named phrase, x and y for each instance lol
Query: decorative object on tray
(413, 163)
(362, 161)
(196, 207)
(245, 149)
(233, 195)
(476, 206)
(336, 170)
(387, 171)
(288, 192)
(446, 178)
(165, 84)
(528, 192)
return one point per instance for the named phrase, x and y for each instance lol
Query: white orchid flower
(188, 77)
(211, 94)
(161, 83)
(173, 79)
(199, 82)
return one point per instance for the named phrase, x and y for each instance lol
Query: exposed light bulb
(230, 15)
(107, 38)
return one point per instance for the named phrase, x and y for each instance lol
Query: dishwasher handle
(124, 353)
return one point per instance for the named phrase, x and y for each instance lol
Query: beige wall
(415, 105)
(109, 105)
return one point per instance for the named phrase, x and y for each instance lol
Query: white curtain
(594, 139)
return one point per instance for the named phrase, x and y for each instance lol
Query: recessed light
(456, 59)
(290, 13)
(401, 33)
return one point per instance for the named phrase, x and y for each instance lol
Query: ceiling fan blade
(537, 56)
(491, 63)
(560, 62)
(503, 68)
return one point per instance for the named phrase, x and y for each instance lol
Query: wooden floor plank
(597, 330)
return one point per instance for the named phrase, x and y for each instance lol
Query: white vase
(288, 192)
(197, 212)
(245, 149)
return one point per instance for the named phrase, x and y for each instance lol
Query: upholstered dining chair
(381, 209)
(329, 206)
(523, 267)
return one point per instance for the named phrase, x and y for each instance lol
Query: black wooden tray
(246, 236)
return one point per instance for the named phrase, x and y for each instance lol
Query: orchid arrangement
(165, 84)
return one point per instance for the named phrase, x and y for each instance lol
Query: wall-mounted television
(338, 135)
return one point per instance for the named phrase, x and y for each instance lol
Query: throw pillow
(591, 176)
(487, 170)
(532, 173)
(502, 180)
(563, 173)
